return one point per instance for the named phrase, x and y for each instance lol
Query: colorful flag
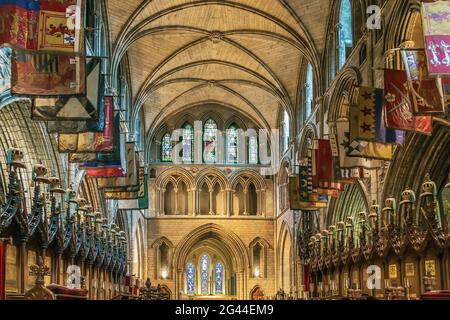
(366, 118)
(5, 69)
(61, 26)
(426, 93)
(446, 90)
(343, 134)
(399, 112)
(436, 29)
(362, 115)
(80, 126)
(19, 22)
(294, 193)
(83, 107)
(127, 193)
(322, 161)
(95, 160)
(131, 175)
(303, 187)
(141, 203)
(371, 150)
(47, 74)
(92, 142)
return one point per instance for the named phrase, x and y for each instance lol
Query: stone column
(176, 201)
(228, 197)
(246, 200)
(210, 201)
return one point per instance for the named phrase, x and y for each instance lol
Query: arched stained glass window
(232, 144)
(285, 127)
(253, 150)
(166, 148)
(210, 141)
(309, 90)
(204, 273)
(345, 32)
(219, 278)
(5, 69)
(188, 137)
(190, 278)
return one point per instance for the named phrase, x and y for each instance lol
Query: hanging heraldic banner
(92, 142)
(51, 25)
(74, 107)
(127, 193)
(19, 22)
(436, 29)
(399, 113)
(131, 176)
(366, 118)
(79, 126)
(344, 145)
(426, 93)
(47, 74)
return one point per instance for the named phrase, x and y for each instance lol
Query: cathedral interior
(228, 150)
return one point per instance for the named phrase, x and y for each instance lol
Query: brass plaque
(409, 269)
(392, 271)
(430, 267)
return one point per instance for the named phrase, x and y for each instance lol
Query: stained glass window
(253, 150)
(190, 278)
(166, 148)
(204, 272)
(232, 144)
(219, 278)
(188, 135)
(285, 127)
(345, 32)
(309, 88)
(5, 69)
(210, 140)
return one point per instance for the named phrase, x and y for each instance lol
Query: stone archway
(215, 239)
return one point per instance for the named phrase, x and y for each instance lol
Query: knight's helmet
(98, 220)
(428, 196)
(39, 174)
(349, 229)
(373, 215)
(406, 207)
(55, 186)
(15, 158)
(388, 213)
(340, 231)
(428, 187)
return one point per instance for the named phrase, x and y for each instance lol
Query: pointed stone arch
(231, 243)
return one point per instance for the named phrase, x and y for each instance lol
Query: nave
(224, 150)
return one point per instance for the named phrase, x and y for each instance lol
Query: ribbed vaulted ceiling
(247, 53)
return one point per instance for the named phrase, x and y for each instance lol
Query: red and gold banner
(426, 93)
(92, 142)
(74, 107)
(42, 73)
(436, 29)
(61, 26)
(131, 176)
(399, 113)
(19, 21)
(322, 162)
(50, 25)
